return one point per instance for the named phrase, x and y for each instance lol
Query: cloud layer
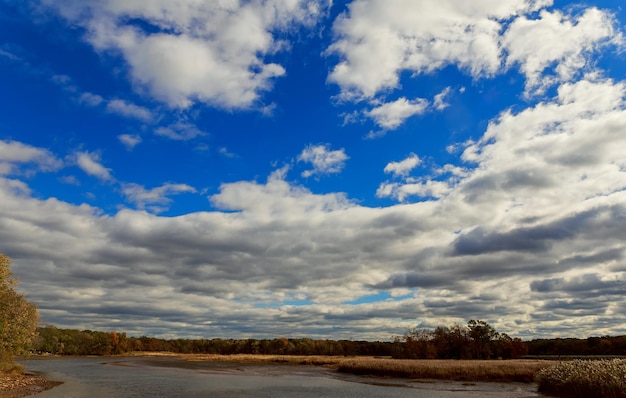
(509, 225)
(522, 226)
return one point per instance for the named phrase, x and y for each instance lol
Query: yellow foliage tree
(18, 317)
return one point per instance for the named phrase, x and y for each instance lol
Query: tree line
(53, 340)
(597, 345)
(476, 340)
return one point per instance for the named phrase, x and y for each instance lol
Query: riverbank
(147, 377)
(23, 385)
(496, 371)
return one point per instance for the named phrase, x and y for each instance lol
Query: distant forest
(478, 340)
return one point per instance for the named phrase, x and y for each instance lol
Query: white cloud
(64, 81)
(90, 99)
(574, 137)
(211, 52)
(70, 180)
(424, 189)
(557, 40)
(378, 39)
(403, 167)
(90, 164)
(9, 55)
(391, 115)
(155, 199)
(452, 170)
(15, 155)
(180, 131)
(126, 109)
(225, 152)
(439, 102)
(130, 141)
(323, 160)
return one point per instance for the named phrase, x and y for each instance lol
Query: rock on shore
(18, 386)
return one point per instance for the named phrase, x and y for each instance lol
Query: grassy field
(466, 370)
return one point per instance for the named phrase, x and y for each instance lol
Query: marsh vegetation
(585, 379)
(440, 369)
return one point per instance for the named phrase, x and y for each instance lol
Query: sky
(315, 168)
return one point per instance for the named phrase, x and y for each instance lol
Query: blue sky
(315, 168)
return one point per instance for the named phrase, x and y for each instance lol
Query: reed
(319, 360)
(585, 378)
(466, 370)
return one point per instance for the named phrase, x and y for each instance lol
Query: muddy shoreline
(18, 386)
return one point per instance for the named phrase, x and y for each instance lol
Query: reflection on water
(156, 377)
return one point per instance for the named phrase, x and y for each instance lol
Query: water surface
(168, 377)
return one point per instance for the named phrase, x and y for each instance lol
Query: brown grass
(585, 379)
(467, 370)
(320, 360)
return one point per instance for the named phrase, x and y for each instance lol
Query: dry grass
(319, 360)
(585, 378)
(151, 354)
(468, 370)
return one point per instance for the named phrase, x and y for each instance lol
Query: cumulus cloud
(210, 52)
(439, 102)
(422, 189)
(155, 199)
(130, 141)
(126, 109)
(391, 115)
(16, 156)
(90, 99)
(323, 160)
(426, 36)
(403, 167)
(179, 131)
(557, 40)
(90, 164)
(225, 152)
(377, 40)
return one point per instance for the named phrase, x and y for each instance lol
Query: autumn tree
(483, 338)
(477, 340)
(18, 317)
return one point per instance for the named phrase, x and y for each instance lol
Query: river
(169, 377)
